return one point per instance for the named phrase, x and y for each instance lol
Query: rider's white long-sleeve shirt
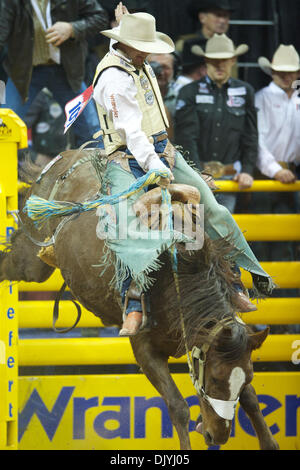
(125, 113)
(279, 128)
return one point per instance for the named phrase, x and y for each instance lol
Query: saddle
(185, 202)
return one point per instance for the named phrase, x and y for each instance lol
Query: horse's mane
(28, 171)
(206, 292)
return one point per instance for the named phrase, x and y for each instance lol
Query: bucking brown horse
(201, 319)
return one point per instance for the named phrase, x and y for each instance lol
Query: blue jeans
(54, 78)
(138, 172)
(229, 199)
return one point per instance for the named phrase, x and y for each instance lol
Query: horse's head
(223, 370)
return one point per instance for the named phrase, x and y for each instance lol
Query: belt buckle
(215, 168)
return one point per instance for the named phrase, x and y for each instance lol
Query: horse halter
(224, 408)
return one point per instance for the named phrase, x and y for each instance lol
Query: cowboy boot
(131, 324)
(243, 303)
(134, 320)
(241, 298)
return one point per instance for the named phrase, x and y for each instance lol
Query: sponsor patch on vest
(203, 88)
(123, 62)
(42, 127)
(114, 106)
(144, 82)
(149, 97)
(237, 91)
(180, 104)
(205, 99)
(55, 110)
(235, 102)
(151, 71)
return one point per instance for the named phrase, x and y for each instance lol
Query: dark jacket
(46, 120)
(218, 124)
(16, 30)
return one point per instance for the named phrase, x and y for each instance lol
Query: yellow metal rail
(275, 311)
(231, 186)
(258, 186)
(22, 186)
(97, 351)
(13, 136)
(39, 314)
(285, 274)
(269, 227)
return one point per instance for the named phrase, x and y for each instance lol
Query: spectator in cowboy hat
(278, 117)
(215, 118)
(163, 66)
(212, 17)
(192, 67)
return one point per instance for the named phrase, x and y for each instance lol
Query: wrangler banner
(124, 412)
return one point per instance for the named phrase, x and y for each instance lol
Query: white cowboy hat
(138, 30)
(219, 46)
(285, 59)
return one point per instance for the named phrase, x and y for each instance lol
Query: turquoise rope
(166, 198)
(40, 210)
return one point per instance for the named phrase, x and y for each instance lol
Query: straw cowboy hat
(219, 46)
(138, 30)
(285, 59)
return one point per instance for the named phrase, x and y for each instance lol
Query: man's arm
(268, 166)
(249, 143)
(186, 128)
(266, 162)
(92, 18)
(7, 15)
(249, 139)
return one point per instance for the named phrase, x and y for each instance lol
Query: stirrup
(144, 326)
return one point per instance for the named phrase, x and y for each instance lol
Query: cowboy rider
(134, 123)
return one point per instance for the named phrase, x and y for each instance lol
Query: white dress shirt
(279, 128)
(181, 81)
(125, 113)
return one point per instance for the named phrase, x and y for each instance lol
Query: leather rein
(224, 408)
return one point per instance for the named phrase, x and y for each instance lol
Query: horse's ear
(257, 339)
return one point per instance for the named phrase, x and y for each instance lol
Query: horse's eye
(249, 377)
(216, 381)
